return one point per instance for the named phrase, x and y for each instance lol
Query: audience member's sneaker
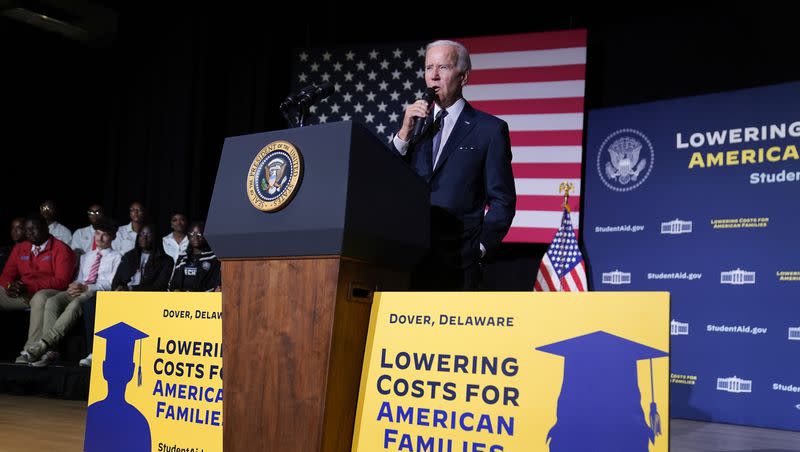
(23, 358)
(36, 350)
(86, 362)
(47, 359)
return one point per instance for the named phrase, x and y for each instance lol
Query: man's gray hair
(464, 63)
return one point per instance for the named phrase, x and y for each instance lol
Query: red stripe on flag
(534, 202)
(548, 278)
(530, 106)
(547, 138)
(547, 170)
(576, 277)
(525, 41)
(528, 74)
(536, 235)
(533, 235)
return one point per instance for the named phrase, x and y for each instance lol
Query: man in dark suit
(465, 156)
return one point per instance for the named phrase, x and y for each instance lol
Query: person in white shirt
(176, 242)
(57, 230)
(126, 235)
(62, 309)
(83, 239)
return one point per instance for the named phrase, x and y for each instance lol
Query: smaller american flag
(562, 268)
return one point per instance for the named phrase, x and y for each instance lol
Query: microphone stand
(302, 113)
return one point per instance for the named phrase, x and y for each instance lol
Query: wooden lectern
(298, 283)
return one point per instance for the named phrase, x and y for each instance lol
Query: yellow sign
(156, 381)
(491, 372)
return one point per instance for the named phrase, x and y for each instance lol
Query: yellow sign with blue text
(492, 372)
(156, 380)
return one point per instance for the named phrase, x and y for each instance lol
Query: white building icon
(738, 277)
(734, 384)
(616, 278)
(794, 333)
(678, 329)
(676, 226)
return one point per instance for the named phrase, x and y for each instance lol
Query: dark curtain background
(144, 116)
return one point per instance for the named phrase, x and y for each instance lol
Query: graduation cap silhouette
(113, 423)
(120, 342)
(599, 407)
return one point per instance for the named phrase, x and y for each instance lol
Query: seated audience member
(61, 310)
(83, 239)
(17, 236)
(144, 268)
(126, 235)
(36, 265)
(57, 230)
(176, 242)
(198, 270)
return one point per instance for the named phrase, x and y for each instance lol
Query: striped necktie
(92, 278)
(437, 139)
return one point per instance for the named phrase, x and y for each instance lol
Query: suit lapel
(465, 123)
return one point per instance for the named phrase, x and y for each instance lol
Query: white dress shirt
(173, 248)
(82, 240)
(108, 267)
(41, 247)
(60, 232)
(126, 239)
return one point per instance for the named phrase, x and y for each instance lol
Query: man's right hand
(417, 111)
(15, 289)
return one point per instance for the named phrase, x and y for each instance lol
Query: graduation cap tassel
(655, 418)
(139, 374)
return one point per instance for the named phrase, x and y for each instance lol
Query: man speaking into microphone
(465, 156)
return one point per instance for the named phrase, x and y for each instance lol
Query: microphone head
(324, 89)
(430, 95)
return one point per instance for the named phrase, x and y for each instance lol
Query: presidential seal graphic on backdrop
(274, 176)
(625, 159)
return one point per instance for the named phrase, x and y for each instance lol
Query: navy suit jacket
(473, 172)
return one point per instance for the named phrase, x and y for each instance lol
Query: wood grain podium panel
(294, 332)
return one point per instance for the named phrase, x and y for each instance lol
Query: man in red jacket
(36, 269)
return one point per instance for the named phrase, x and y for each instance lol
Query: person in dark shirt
(199, 269)
(146, 267)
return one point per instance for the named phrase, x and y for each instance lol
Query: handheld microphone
(428, 97)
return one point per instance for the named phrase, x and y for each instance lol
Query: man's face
(178, 223)
(442, 74)
(145, 238)
(196, 238)
(95, 213)
(18, 230)
(137, 212)
(35, 233)
(102, 239)
(48, 211)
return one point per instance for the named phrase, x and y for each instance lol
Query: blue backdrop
(700, 197)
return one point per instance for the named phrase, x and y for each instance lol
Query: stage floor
(42, 424)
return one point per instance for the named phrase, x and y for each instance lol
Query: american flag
(533, 81)
(562, 268)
